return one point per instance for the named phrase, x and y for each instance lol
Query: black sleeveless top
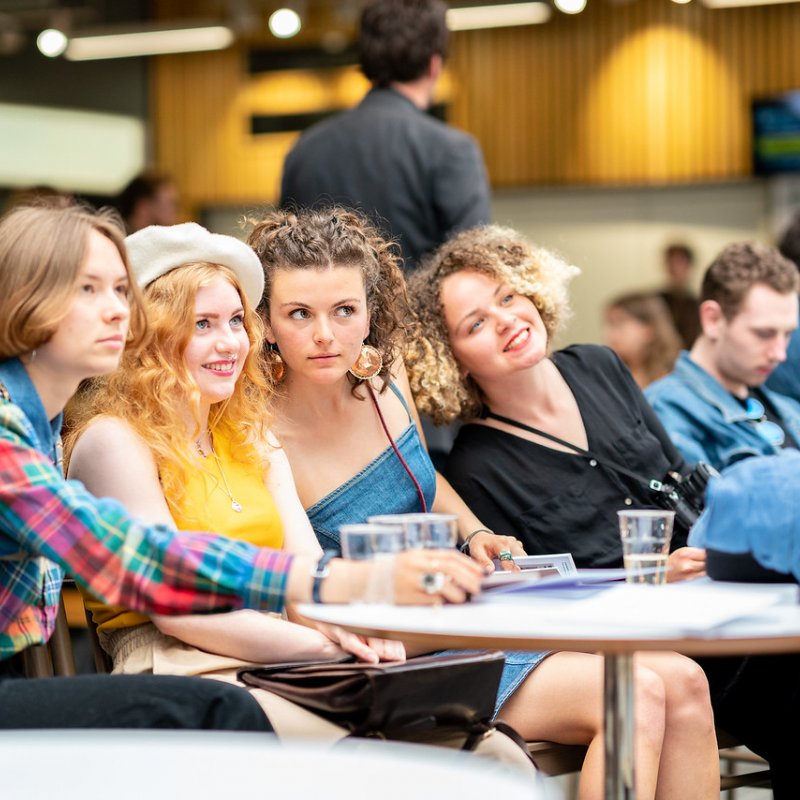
(556, 501)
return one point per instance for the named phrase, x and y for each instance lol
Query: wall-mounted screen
(776, 134)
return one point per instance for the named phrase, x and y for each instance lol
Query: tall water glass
(645, 534)
(427, 531)
(367, 541)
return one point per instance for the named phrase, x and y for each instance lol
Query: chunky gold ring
(505, 555)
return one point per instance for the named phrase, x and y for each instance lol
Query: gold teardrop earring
(276, 364)
(368, 364)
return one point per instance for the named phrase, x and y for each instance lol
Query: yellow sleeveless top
(207, 506)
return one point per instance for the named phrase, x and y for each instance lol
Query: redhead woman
(335, 306)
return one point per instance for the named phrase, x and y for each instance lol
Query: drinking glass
(645, 534)
(367, 541)
(428, 531)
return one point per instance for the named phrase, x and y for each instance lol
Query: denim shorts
(519, 664)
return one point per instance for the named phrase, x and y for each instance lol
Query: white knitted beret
(158, 249)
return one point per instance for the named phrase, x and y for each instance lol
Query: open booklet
(532, 570)
(548, 580)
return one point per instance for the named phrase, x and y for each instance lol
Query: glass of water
(367, 541)
(427, 531)
(645, 534)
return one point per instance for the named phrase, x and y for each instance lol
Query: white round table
(199, 765)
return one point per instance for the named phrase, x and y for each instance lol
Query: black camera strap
(653, 485)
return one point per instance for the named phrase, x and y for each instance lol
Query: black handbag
(393, 700)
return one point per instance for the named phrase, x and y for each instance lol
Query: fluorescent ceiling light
(80, 151)
(743, 3)
(151, 42)
(502, 16)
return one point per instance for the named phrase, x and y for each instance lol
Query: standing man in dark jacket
(419, 178)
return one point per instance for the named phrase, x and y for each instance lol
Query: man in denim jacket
(715, 409)
(714, 405)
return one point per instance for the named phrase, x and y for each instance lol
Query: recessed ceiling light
(284, 23)
(570, 6)
(51, 43)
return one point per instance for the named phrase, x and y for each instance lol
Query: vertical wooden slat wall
(642, 93)
(646, 92)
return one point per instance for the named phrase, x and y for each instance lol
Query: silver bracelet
(465, 544)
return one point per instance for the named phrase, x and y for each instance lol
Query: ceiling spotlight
(51, 43)
(570, 6)
(284, 23)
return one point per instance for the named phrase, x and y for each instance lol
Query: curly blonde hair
(503, 254)
(319, 239)
(153, 387)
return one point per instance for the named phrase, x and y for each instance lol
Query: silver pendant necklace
(235, 504)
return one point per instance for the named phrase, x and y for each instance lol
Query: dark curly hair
(739, 267)
(321, 238)
(398, 37)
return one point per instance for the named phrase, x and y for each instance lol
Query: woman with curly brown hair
(336, 312)
(488, 304)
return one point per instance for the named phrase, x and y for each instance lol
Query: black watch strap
(319, 573)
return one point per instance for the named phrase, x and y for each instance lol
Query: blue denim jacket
(752, 508)
(706, 423)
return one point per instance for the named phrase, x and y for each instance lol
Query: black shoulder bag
(395, 699)
(683, 494)
(404, 700)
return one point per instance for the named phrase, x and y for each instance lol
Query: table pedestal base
(619, 726)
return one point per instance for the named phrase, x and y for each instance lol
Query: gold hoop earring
(276, 364)
(368, 364)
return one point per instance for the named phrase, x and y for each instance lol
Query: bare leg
(562, 701)
(689, 757)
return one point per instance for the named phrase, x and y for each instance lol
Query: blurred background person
(417, 178)
(151, 198)
(639, 328)
(678, 295)
(786, 377)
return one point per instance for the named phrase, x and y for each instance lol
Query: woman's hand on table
(431, 577)
(413, 577)
(686, 563)
(486, 546)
